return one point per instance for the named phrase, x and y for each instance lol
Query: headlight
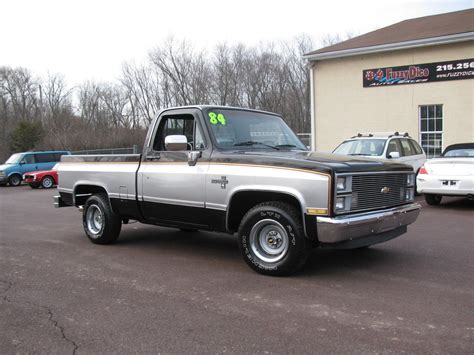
(344, 184)
(407, 194)
(2, 173)
(410, 179)
(343, 198)
(343, 203)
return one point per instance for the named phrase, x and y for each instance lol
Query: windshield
(235, 128)
(466, 152)
(370, 147)
(14, 159)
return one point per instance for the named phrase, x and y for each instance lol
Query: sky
(91, 39)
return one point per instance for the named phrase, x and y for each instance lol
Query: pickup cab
(241, 171)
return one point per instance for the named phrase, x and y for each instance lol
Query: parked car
(241, 171)
(396, 147)
(452, 174)
(44, 178)
(20, 163)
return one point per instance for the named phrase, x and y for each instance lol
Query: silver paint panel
(311, 189)
(113, 177)
(181, 184)
(173, 183)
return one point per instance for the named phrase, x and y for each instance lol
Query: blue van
(12, 171)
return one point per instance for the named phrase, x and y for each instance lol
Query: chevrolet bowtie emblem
(385, 190)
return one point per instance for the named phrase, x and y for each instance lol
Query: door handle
(153, 158)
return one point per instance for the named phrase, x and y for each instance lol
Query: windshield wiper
(288, 146)
(250, 143)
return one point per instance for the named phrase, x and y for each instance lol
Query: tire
(432, 199)
(101, 224)
(272, 240)
(362, 248)
(47, 182)
(14, 180)
(34, 185)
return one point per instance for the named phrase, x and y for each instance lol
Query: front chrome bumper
(369, 224)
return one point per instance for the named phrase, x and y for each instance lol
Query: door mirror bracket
(193, 157)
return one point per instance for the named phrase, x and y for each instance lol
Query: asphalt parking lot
(162, 290)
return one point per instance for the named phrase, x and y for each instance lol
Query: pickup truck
(241, 171)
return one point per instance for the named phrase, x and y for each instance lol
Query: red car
(45, 178)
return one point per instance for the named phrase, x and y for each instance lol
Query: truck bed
(116, 174)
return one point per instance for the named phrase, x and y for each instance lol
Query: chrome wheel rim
(269, 240)
(47, 182)
(94, 220)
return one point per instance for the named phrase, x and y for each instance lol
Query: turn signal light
(423, 171)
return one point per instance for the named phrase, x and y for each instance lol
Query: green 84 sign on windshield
(215, 118)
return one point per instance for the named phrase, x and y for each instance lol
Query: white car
(396, 147)
(452, 174)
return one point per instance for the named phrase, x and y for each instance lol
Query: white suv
(396, 147)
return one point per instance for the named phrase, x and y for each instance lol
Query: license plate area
(449, 183)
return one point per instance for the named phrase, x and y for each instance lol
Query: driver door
(171, 191)
(28, 163)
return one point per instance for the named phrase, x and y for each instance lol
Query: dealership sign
(419, 73)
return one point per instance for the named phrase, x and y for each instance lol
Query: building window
(431, 129)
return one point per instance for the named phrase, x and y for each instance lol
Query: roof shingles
(414, 29)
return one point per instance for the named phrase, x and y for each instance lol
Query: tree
(26, 136)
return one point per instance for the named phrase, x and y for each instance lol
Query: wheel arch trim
(85, 183)
(293, 193)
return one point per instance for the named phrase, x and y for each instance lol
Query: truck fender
(268, 193)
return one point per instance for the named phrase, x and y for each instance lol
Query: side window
(407, 150)
(393, 146)
(29, 159)
(44, 158)
(184, 125)
(199, 142)
(416, 147)
(57, 156)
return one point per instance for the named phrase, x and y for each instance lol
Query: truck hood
(324, 162)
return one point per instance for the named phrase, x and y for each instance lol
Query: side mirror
(22, 162)
(176, 143)
(394, 155)
(193, 157)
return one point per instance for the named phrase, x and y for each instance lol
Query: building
(414, 76)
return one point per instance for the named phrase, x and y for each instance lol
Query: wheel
(14, 180)
(47, 182)
(101, 224)
(271, 239)
(433, 200)
(34, 185)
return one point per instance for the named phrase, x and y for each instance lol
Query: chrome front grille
(377, 191)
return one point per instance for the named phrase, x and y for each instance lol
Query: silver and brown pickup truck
(241, 171)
